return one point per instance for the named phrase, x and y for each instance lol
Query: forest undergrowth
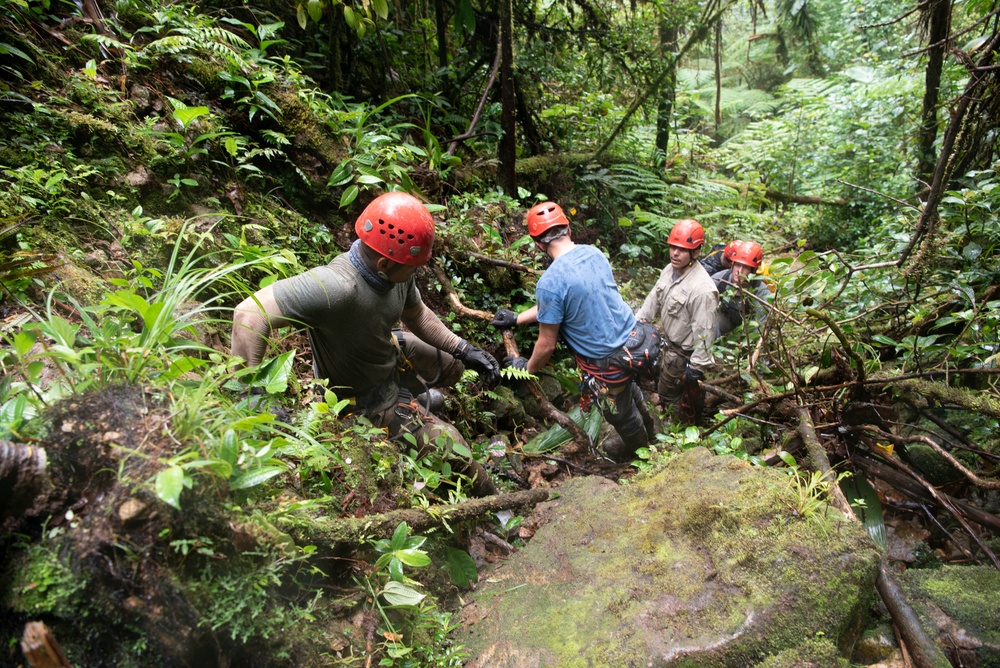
(159, 164)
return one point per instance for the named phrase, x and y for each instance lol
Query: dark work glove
(515, 362)
(692, 376)
(478, 360)
(504, 319)
(257, 400)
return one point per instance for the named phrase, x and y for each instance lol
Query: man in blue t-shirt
(577, 298)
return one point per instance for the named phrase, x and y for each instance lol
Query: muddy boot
(650, 421)
(614, 449)
(479, 478)
(431, 401)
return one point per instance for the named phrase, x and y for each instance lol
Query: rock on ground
(705, 563)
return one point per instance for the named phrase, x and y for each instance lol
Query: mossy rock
(702, 564)
(814, 653)
(959, 606)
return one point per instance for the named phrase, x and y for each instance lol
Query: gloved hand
(257, 400)
(478, 360)
(515, 362)
(692, 376)
(504, 319)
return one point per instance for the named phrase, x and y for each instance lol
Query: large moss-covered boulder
(960, 608)
(704, 564)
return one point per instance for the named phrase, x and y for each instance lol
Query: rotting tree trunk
(717, 57)
(665, 109)
(923, 651)
(41, 648)
(508, 102)
(22, 477)
(711, 13)
(938, 16)
(360, 529)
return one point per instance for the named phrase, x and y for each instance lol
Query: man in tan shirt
(683, 303)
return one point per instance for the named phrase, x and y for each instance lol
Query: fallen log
(908, 486)
(361, 529)
(923, 651)
(507, 264)
(41, 648)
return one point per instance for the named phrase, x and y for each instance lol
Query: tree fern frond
(7, 227)
(812, 88)
(216, 34)
(517, 374)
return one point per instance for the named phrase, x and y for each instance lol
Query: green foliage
(44, 583)
(421, 639)
(555, 436)
(402, 549)
(243, 599)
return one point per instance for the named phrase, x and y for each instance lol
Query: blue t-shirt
(578, 293)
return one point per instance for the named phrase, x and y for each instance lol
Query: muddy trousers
(626, 411)
(677, 397)
(391, 406)
(432, 435)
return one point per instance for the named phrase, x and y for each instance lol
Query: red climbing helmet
(543, 217)
(730, 250)
(746, 252)
(687, 233)
(397, 226)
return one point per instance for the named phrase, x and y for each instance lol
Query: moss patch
(702, 564)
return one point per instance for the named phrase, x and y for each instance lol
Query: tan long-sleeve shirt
(684, 309)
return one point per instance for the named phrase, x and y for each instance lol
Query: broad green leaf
(465, 16)
(60, 329)
(7, 49)
(381, 8)
(185, 115)
(181, 366)
(231, 146)
(256, 476)
(341, 175)
(252, 421)
(169, 484)
(414, 558)
(23, 341)
(315, 10)
(127, 299)
(461, 567)
(349, 196)
(972, 251)
(350, 17)
(229, 447)
(274, 373)
(974, 45)
(399, 594)
(399, 536)
(35, 370)
(301, 16)
(395, 568)
(787, 458)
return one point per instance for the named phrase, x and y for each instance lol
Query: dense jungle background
(161, 161)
